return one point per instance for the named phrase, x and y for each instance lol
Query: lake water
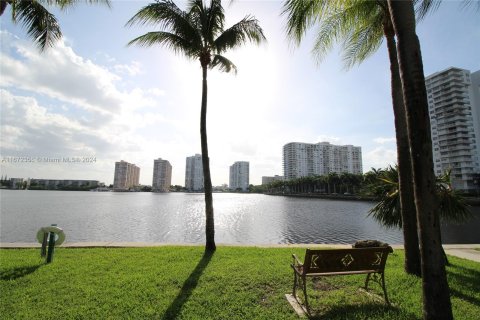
(180, 218)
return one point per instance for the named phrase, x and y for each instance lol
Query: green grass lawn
(179, 283)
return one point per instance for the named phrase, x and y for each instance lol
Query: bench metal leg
(295, 283)
(367, 280)
(304, 280)
(380, 279)
(385, 289)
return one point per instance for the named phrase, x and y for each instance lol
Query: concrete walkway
(465, 251)
(470, 254)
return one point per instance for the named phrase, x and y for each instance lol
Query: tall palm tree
(361, 25)
(42, 26)
(436, 293)
(198, 33)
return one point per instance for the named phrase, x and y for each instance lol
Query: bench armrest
(296, 261)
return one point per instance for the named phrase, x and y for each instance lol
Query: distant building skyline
(162, 175)
(454, 108)
(194, 173)
(307, 159)
(126, 176)
(270, 179)
(239, 175)
(61, 183)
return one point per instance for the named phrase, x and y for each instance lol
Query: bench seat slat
(339, 273)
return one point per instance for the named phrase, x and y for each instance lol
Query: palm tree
(362, 25)
(436, 294)
(198, 33)
(42, 26)
(387, 211)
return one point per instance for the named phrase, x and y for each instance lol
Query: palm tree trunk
(3, 5)
(207, 181)
(405, 180)
(436, 294)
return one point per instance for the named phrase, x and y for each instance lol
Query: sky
(77, 108)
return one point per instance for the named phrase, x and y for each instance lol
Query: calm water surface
(180, 218)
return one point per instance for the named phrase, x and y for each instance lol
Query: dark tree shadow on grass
(18, 272)
(361, 311)
(465, 297)
(468, 280)
(187, 288)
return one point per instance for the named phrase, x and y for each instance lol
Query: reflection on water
(180, 218)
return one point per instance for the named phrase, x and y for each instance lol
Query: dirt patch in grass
(268, 293)
(323, 284)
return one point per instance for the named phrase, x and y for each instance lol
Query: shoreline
(323, 196)
(475, 202)
(464, 251)
(33, 245)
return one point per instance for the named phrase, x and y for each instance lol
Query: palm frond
(452, 206)
(196, 13)
(423, 7)
(223, 64)
(41, 25)
(470, 3)
(216, 20)
(247, 29)
(387, 211)
(302, 14)
(65, 4)
(358, 24)
(363, 41)
(210, 20)
(169, 40)
(329, 31)
(168, 17)
(171, 20)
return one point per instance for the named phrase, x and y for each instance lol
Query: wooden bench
(337, 262)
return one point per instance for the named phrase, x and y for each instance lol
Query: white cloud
(156, 92)
(379, 157)
(61, 74)
(331, 139)
(382, 140)
(33, 127)
(29, 129)
(132, 69)
(60, 104)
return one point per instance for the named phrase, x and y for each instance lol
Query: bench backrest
(345, 260)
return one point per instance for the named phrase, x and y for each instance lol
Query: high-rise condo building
(194, 173)
(454, 107)
(267, 179)
(239, 175)
(307, 159)
(162, 175)
(127, 175)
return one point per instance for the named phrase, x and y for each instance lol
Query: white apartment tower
(307, 159)
(454, 108)
(194, 173)
(162, 175)
(239, 175)
(126, 176)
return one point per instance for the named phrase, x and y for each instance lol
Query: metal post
(43, 252)
(51, 246)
